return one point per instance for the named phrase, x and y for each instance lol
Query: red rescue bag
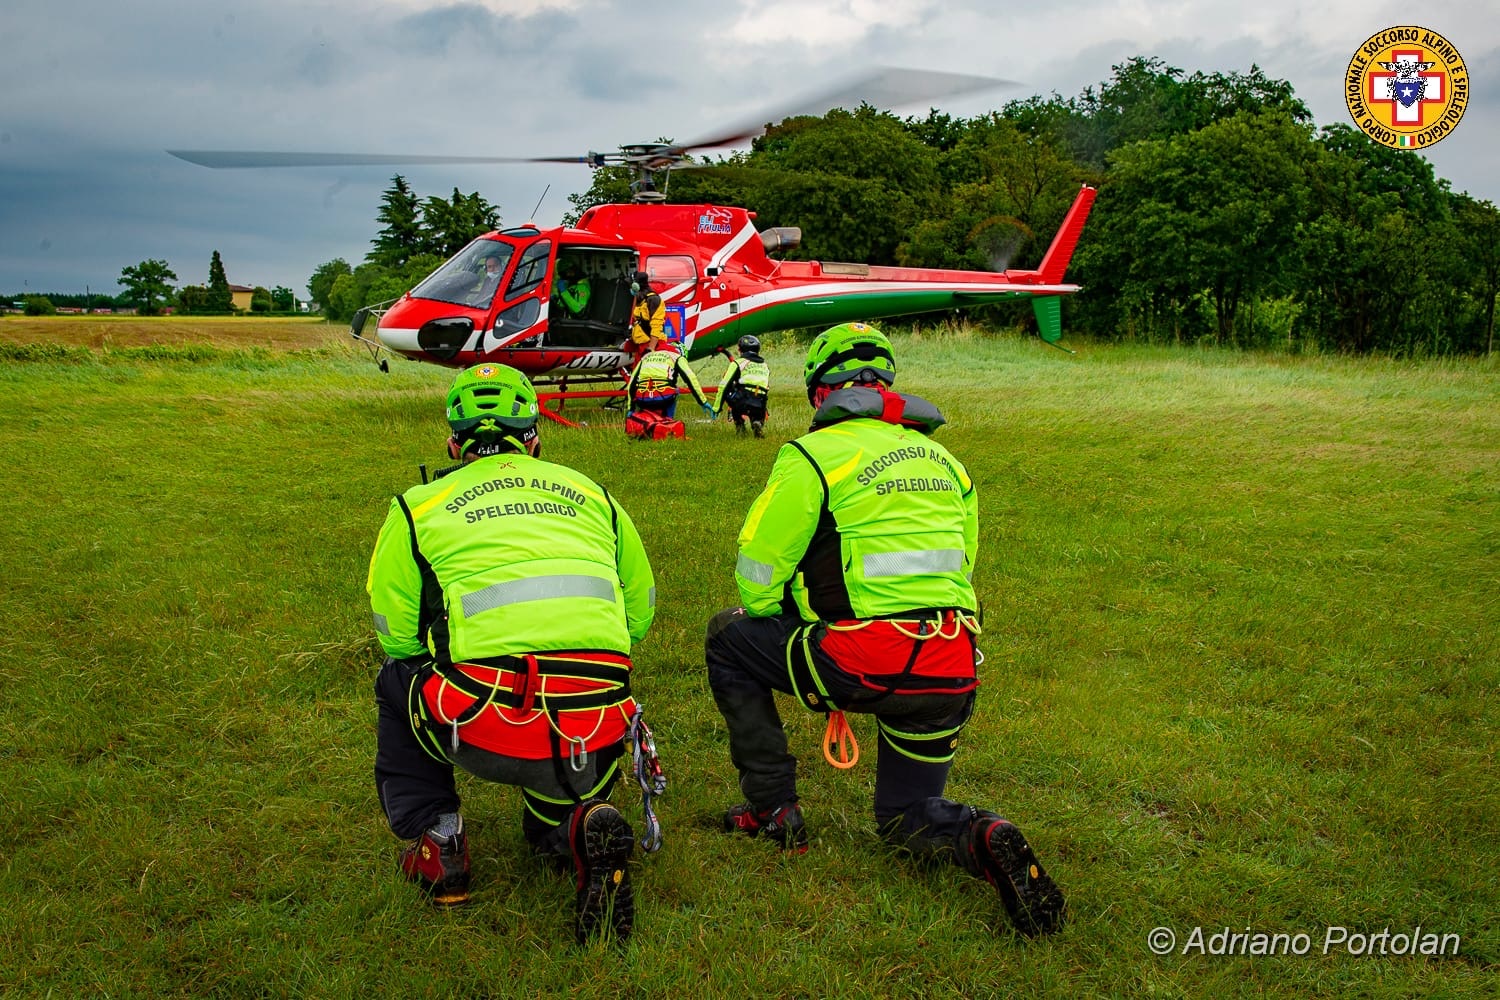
(652, 425)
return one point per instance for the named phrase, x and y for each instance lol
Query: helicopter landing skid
(378, 353)
(357, 326)
(562, 395)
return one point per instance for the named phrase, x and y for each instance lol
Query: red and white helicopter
(498, 299)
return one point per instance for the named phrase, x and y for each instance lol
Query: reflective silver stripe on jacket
(915, 563)
(651, 598)
(381, 625)
(537, 588)
(755, 572)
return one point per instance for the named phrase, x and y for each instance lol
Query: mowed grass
(1241, 670)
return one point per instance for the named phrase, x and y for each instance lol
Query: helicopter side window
(531, 270)
(470, 277)
(669, 270)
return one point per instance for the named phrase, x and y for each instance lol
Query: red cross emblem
(1407, 86)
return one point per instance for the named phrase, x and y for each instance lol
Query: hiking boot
(759, 428)
(440, 865)
(602, 843)
(782, 824)
(998, 853)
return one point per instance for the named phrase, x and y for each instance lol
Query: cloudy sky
(92, 93)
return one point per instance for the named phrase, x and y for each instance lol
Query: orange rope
(838, 737)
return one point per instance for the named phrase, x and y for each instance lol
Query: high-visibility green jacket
(574, 295)
(509, 555)
(746, 372)
(861, 518)
(655, 377)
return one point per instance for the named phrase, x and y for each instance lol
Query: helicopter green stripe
(824, 312)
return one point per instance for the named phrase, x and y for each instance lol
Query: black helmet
(640, 283)
(749, 344)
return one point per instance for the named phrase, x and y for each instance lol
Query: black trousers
(415, 788)
(743, 406)
(747, 661)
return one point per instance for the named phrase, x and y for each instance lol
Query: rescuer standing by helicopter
(506, 595)
(745, 387)
(854, 571)
(648, 316)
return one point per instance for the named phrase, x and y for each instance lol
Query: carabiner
(578, 754)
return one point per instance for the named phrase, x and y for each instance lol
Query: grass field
(1241, 676)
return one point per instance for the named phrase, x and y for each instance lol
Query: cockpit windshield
(470, 277)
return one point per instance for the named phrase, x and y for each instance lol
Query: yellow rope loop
(443, 686)
(839, 737)
(855, 627)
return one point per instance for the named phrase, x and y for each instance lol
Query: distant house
(240, 296)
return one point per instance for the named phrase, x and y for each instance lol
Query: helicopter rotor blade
(223, 159)
(884, 87)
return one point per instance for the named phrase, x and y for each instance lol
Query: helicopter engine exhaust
(781, 238)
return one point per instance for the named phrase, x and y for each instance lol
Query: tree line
(148, 289)
(1224, 215)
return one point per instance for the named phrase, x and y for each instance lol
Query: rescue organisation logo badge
(1406, 87)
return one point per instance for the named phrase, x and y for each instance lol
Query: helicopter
(498, 300)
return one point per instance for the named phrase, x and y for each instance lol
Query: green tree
(829, 176)
(1011, 190)
(401, 234)
(322, 280)
(1147, 99)
(220, 298)
(1479, 226)
(193, 300)
(260, 300)
(147, 284)
(38, 305)
(282, 299)
(1374, 243)
(607, 186)
(1207, 214)
(450, 225)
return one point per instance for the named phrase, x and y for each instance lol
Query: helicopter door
(590, 301)
(523, 307)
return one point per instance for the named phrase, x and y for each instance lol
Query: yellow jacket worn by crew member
(648, 314)
(507, 594)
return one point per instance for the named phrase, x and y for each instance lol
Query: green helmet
(849, 352)
(490, 403)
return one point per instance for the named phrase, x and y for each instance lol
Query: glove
(712, 413)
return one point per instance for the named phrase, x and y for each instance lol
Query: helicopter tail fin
(1048, 309)
(1055, 263)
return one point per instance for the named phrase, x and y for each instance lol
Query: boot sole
(1033, 901)
(606, 900)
